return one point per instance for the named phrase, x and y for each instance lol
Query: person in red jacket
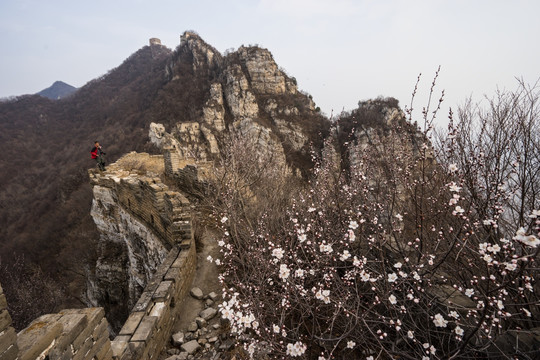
(97, 154)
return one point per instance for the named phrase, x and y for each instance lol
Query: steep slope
(44, 191)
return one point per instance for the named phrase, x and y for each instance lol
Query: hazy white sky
(340, 51)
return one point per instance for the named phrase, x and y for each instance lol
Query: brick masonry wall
(77, 334)
(83, 334)
(149, 326)
(168, 213)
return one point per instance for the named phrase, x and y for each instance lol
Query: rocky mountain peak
(58, 90)
(266, 77)
(203, 53)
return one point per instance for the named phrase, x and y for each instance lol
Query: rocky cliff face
(139, 220)
(247, 93)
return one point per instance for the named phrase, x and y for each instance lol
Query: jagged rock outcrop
(246, 93)
(265, 76)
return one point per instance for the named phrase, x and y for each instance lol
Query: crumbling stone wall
(83, 334)
(140, 220)
(151, 321)
(130, 191)
(78, 334)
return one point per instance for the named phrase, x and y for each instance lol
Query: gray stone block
(145, 329)
(94, 315)
(5, 319)
(10, 353)
(208, 313)
(192, 327)
(164, 291)
(73, 325)
(173, 274)
(191, 347)
(131, 323)
(136, 349)
(104, 354)
(102, 330)
(97, 346)
(8, 338)
(119, 346)
(178, 339)
(143, 304)
(38, 336)
(84, 349)
(201, 323)
(196, 293)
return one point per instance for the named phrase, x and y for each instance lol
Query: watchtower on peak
(155, 41)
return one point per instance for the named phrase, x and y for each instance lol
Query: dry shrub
(395, 258)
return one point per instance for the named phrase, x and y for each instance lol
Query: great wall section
(157, 227)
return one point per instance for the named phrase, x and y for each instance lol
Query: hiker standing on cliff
(97, 154)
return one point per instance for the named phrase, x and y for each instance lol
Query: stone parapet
(146, 197)
(149, 326)
(78, 334)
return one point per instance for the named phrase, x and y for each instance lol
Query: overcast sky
(340, 51)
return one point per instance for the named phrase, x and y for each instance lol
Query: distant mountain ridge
(58, 90)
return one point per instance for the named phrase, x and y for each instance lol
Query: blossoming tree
(403, 251)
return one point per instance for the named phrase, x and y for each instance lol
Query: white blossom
(469, 292)
(351, 235)
(529, 240)
(296, 349)
(458, 210)
(410, 334)
(458, 330)
(439, 321)
(278, 253)
(224, 219)
(392, 277)
(454, 187)
(453, 168)
(365, 276)
(345, 255)
(326, 248)
(353, 225)
(284, 272)
(392, 299)
(351, 344)
(323, 295)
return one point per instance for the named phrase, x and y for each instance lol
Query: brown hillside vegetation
(45, 197)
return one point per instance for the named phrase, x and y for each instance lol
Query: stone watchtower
(155, 41)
